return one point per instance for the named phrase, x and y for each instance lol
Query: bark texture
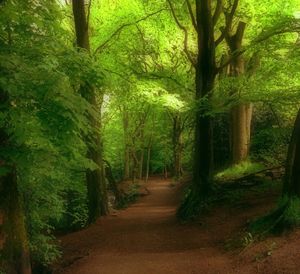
(16, 248)
(292, 177)
(241, 114)
(177, 146)
(126, 145)
(97, 196)
(205, 77)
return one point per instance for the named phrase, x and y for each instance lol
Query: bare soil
(146, 238)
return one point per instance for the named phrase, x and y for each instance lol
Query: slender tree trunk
(135, 163)
(113, 184)
(292, 176)
(16, 247)
(148, 162)
(241, 114)
(126, 145)
(97, 200)
(177, 146)
(141, 163)
(205, 77)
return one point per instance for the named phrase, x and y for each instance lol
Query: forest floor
(146, 238)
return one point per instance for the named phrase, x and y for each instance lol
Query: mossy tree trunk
(97, 197)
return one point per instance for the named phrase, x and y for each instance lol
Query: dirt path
(147, 239)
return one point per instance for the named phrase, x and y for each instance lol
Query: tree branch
(218, 11)
(88, 14)
(183, 28)
(192, 15)
(119, 29)
(261, 38)
(229, 19)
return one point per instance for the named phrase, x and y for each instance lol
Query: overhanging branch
(186, 35)
(192, 15)
(218, 11)
(119, 29)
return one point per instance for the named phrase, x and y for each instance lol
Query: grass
(237, 171)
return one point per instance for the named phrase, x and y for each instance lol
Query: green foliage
(44, 118)
(138, 67)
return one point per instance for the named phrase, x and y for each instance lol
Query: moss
(285, 217)
(239, 170)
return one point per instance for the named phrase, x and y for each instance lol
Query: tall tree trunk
(113, 184)
(97, 200)
(241, 114)
(286, 216)
(135, 163)
(292, 176)
(16, 247)
(205, 77)
(148, 161)
(177, 146)
(141, 163)
(126, 145)
(241, 117)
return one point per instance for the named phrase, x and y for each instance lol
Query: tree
(287, 214)
(206, 70)
(97, 195)
(16, 247)
(292, 177)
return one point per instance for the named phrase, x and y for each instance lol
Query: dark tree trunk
(148, 162)
(205, 77)
(286, 216)
(113, 184)
(292, 177)
(16, 248)
(97, 197)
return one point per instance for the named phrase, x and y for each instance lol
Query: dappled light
(149, 137)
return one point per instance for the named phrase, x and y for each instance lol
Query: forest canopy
(94, 93)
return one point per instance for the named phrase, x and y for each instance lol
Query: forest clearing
(149, 137)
